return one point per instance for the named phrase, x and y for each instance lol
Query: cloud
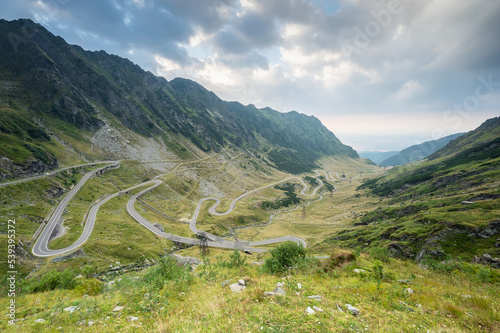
(341, 58)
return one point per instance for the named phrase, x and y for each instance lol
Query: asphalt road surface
(41, 246)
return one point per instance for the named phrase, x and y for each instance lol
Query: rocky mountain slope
(58, 99)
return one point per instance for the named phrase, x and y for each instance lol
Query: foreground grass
(181, 300)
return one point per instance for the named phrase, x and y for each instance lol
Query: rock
(71, 309)
(236, 288)
(404, 281)
(315, 297)
(487, 233)
(339, 308)
(487, 259)
(280, 284)
(118, 308)
(299, 285)
(40, 320)
(358, 270)
(279, 291)
(187, 260)
(90, 323)
(466, 296)
(241, 282)
(131, 318)
(398, 249)
(310, 311)
(465, 202)
(79, 276)
(317, 308)
(409, 291)
(354, 311)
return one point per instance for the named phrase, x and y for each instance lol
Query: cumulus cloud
(333, 59)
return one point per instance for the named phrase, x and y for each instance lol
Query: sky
(380, 74)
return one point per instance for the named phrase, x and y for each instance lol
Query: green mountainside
(58, 94)
(445, 207)
(418, 152)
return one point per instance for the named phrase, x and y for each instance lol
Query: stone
(299, 285)
(241, 282)
(310, 311)
(487, 233)
(354, 311)
(118, 308)
(279, 291)
(39, 320)
(71, 309)
(236, 288)
(280, 284)
(339, 308)
(90, 323)
(316, 297)
(404, 281)
(317, 308)
(409, 291)
(358, 270)
(131, 318)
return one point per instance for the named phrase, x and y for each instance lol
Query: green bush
(337, 261)
(237, 260)
(51, 280)
(284, 257)
(167, 270)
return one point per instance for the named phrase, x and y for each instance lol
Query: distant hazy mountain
(418, 152)
(58, 99)
(377, 156)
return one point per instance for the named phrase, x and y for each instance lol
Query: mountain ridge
(418, 152)
(47, 81)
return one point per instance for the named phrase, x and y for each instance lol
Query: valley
(131, 203)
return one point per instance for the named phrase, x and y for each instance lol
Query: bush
(337, 261)
(237, 260)
(51, 280)
(380, 253)
(284, 257)
(166, 270)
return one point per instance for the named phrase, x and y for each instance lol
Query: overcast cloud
(380, 74)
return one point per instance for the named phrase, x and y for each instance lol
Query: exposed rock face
(487, 259)
(54, 192)
(32, 166)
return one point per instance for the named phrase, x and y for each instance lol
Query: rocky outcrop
(31, 167)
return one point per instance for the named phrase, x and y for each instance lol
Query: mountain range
(418, 152)
(61, 104)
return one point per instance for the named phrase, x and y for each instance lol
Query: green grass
(168, 297)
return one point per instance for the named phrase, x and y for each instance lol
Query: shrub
(338, 260)
(284, 257)
(51, 280)
(380, 253)
(237, 260)
(166, 270)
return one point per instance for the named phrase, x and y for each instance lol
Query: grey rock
(354, 311)
(241, 282)
(310, 311)
(236, 288)
(487, 233)
(316, 297)
(358, 270)
(279, 291)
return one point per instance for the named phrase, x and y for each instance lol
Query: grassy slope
(459, 301)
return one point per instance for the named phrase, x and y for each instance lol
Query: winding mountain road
(41, 245)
